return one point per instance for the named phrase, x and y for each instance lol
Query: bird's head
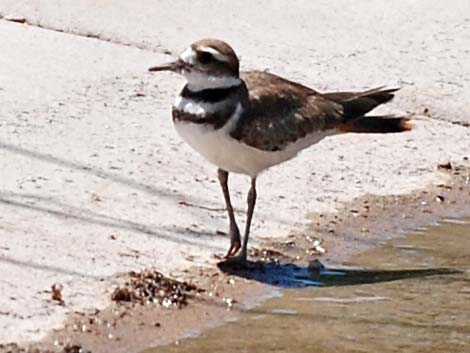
(206, 64)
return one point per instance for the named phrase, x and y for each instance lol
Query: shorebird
(247, 122)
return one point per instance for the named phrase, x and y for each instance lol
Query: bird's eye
(204, 57)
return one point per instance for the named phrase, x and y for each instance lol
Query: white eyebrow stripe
(219, 56)
(188, 56)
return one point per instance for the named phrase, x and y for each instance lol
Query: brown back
(282, 111)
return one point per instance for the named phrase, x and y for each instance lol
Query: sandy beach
(95, 182)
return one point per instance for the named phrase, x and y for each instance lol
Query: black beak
(175, 66)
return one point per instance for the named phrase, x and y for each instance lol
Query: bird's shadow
(289, 275)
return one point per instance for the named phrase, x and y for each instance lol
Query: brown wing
(282, 111)
(357, 104)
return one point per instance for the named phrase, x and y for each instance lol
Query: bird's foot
(235, 242)
(234, 247)
(240, 258)
(235, 263)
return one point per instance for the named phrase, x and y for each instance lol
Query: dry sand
(94, 181)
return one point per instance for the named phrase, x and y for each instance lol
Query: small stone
(167, 302)
(229, 302)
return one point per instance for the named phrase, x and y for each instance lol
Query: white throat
(198, 81)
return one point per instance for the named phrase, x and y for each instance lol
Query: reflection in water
(394, 309)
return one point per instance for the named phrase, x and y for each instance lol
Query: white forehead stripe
(188, 56)
(215, 53)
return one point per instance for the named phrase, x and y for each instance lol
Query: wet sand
(366, 223)
(409, 294)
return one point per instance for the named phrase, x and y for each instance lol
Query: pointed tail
(377, 124)
(357, 104)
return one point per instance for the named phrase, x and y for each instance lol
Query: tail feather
(357, 104)
(377, 124)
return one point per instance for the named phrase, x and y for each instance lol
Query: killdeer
(247, 122)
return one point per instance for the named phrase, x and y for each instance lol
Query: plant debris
(75, 348)
(445, 166)
(150, 286)
(56, 289)
(268, 255)
(316, 248)
(14, 18)
(15, 348)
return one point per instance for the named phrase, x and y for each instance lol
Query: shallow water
(411, 295)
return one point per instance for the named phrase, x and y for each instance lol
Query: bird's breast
(224, 151)
(195, 111)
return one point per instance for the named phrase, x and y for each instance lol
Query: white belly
(219, 148)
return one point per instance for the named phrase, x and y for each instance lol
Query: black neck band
(211, 95)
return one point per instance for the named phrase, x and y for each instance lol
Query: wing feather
(282, 111)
